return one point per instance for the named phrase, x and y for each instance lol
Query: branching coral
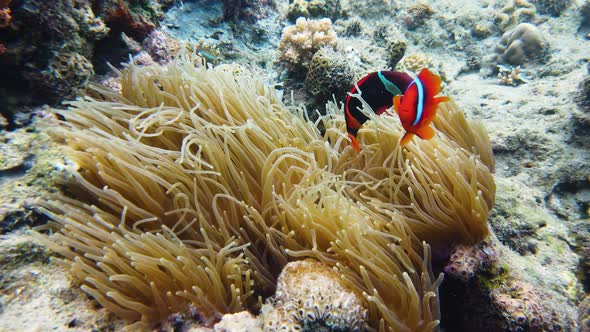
(201, 185)
(301, 41)
(510, 75)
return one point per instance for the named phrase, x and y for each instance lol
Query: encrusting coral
(200, 186)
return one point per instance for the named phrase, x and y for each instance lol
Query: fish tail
(406, 139)
(354, 142)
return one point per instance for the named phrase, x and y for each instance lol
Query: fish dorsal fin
(432, 83)
(389, 86)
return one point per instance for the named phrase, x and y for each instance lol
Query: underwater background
(116, 116)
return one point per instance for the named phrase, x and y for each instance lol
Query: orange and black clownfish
(378, 89)
(416, 108)
(414, 101)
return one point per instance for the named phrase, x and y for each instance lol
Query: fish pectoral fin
(354, 142)
(441, 99)
(396, 102)
(406, 139)
(425, 132)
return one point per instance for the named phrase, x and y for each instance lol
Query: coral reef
(136, 18)
(246, 10)
(581, 233)
(329, 74)
(582, 96)
(515, 12)
(201, 185)
(301, 41)
(510, 75)
(352, 27)
(416, 14)
(67, 73)
(31, 283)
(5, 14)
(314, 9)
(396, 48)
(491, 296)
(552, 7)
(521, 44)
(520, 305)
(482, 30)
(5, 18)
(415, 62)
(238, 322)
(161, 47)
(515, 218)
(584, 315)
(43, 33)
(585, 14)
(466, 261)
(40, 32)
(312, 297)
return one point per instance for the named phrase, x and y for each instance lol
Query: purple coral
(521, 307)
(465, 261)
(161, 46)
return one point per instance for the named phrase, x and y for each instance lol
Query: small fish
(378, 89)
(416, 108)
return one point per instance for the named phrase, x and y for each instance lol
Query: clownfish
(416, 108)
(414, 101)
(378, 90)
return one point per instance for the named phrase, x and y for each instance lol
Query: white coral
(299, 42)
(309, 296)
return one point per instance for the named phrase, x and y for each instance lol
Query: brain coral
(524, 42)
(199, 186)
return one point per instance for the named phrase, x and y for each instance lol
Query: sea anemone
(200, 185)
